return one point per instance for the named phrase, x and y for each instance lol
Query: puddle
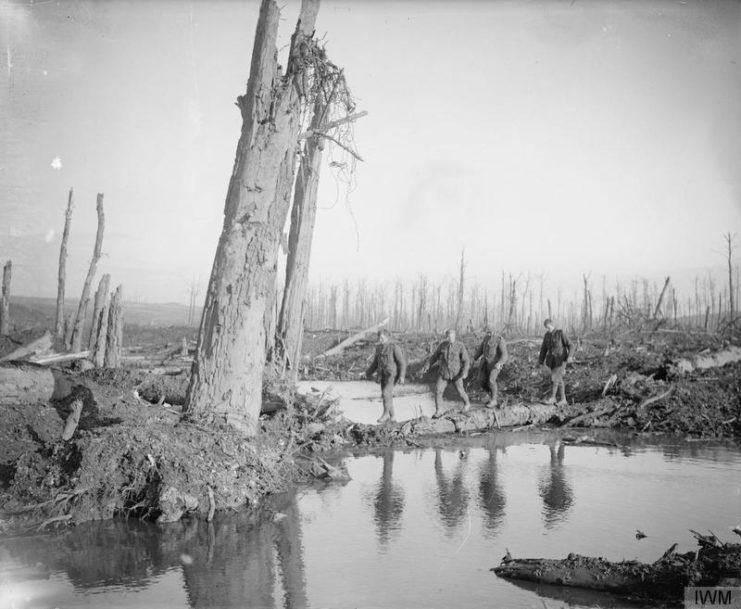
(418, 528)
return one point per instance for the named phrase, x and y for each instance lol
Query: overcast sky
(555, 137)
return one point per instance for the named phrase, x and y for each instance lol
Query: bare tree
(85, 297)
(226, 379)
(329, 89)
(657, 310)
(731, 303)
(59, 318)
(5, 299)
(461, 288)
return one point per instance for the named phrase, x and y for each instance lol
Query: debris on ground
(715, 563)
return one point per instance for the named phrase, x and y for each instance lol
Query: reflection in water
(388, 502)
(578, 597)
(491, 496)
(262, 559)
(452, 493)
(554, 489)
(232, 562)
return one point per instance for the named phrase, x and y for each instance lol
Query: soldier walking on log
(453, 366)
(493, 355)
(555, 352)
(390, 367)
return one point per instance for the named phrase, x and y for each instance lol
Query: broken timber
(715, 564)
(353, 339)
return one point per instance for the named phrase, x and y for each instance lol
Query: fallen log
(701, 361)
(58, 358)
(715, 563)
(43, 343)
(72, 420)
(609, 411)
(32, 383)
(25, 383)
(352, 339)
(643, 407)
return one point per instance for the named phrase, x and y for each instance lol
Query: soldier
(493, 351)
(390, 367)
(454, 364)
(554, 353)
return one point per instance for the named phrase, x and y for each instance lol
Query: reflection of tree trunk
(388, 502)
(554, 489)
(491, 497)
(452, 494)
(291, 558)
(232, 567)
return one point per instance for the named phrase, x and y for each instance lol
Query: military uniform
(494, 352)
(390, 367)
(454, 363)
(554, 353)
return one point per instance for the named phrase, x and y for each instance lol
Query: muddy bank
(131, 455)
(134, 458)
(635, 382)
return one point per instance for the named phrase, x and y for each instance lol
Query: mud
(132, 455)
(701, 403)
(132, 458)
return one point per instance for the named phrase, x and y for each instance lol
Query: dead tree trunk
(461, 286)
(731, 303)
(101, 298)
(657, 310)
(303, 215)
(59, 318)
(226, 380)
(5, 299)
(114, 335)
(99, 343)
(85, 297)
(512, 301)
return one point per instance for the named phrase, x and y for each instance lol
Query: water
(416, 528)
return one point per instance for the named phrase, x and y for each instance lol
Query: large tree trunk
(59, 318)
(226, 380)
(85, 297)
(5, 299)
(303, 215)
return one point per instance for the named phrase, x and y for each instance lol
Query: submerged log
(715, 563)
